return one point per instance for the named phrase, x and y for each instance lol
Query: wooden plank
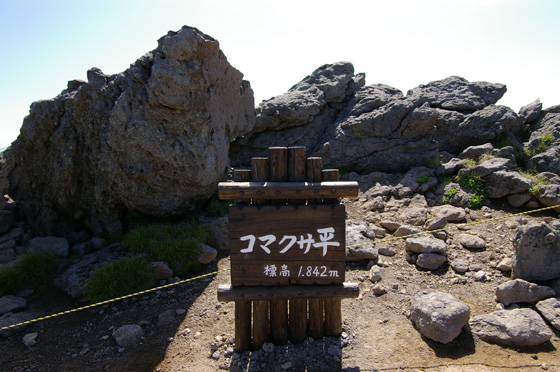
(333, 317)
(242, 325)
(287, 244)
(260, 323)
(279, 321)
(298, 320)
(333, 310)
(283, 190)
(259, 173)
(296, 168)
(227, 293)
(316, 319)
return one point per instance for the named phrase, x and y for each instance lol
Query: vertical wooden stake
(316, 320)
(260, 323)
(242, 326)
(278, 172)
(298, 307)
(259, 173)
(333, 311)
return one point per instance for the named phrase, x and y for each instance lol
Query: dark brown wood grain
(226, 292)
(242, 325)
(260, 323)
(283, 190)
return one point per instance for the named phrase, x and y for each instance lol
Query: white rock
(30, 339)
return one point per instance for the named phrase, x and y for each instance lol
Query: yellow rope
(111, 300)
(224, 270)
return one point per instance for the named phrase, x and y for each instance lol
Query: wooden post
(259, 173)
(278, 162)
(333, 310)
(316, 319)
(298, 307)
(242, 308)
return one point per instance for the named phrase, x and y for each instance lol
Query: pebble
(180, 311)
(30, 339)
(480, 276)
(286, 366)
(216, 355)
(83, 352)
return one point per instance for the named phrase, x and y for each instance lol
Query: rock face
(152, 140)
(544, 143)
(376, 127)
(537, 251)
(439, 316)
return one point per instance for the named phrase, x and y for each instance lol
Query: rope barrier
(224, 270)
(111, 300)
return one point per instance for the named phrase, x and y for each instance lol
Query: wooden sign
(287, 244)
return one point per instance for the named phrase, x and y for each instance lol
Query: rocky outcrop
(543, 146)
(152, 140)
(537, 251)
(376, 127)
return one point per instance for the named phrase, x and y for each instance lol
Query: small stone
(84, 352)
(480, 276)
(286, 366)
(166, 317)
(30, 339)
(378, 290)
(180, 311)
(375, 274)
(128, 335)
(12, 304)
(386, 251)
(506, 264)
(268, 347)
(216, 355)
(471, 241)
(207, 255)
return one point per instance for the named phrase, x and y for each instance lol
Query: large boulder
(439, 316)
(512, 328)
(152, 140)
(376, 127)
(537, 251)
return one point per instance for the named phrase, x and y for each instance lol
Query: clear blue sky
(275, 44)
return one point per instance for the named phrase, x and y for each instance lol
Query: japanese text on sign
(288, 241)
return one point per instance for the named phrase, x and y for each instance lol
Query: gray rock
(537, 251)
(439, 316)
(490, 166)
(475, 152)
(545, 142)
(386, 251)
(415, 216)
(359, 242)
(50, 244)
(451, 213)
(549, 195)
(530, 112)
(521, 291)
(436, 223)
(128, 335)
(152, 140)
(511, 328)
(167, 317)
(506, 264)
(161, 270)
(7, 251)
(426, 244)
(390, 225)
(410, 184)
(505, 182)
(207, 254)
(378, 289)
(375, 274)
(449, 168)
(470, 241)
(218, 233)
(555, 284)
(12, 304)
(14, 234)
(460, 265)
(518, 200)
(430, 261)
(550, 310)
(10, 319)
(6, 221)
(73, 280)
(30, 339)
(97, 243)
(405, 230)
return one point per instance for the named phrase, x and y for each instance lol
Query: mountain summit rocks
(152, 140)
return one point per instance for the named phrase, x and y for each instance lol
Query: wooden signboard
(287, 244)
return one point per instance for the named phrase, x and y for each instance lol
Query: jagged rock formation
(376, 127)
(152, 140)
